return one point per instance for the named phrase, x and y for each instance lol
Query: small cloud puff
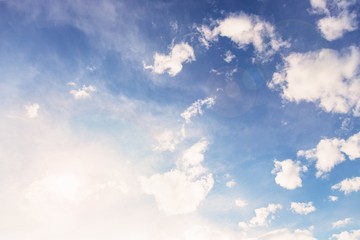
(288, 173)
(32, 110)
(83, 92)
(262, 216)
(244, 30)
(173, 62)
(302, 208)
(229, 57)
(348, 185)
(341, 223)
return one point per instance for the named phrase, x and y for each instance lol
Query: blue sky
(184, 120)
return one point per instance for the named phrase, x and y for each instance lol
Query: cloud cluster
(262, 217)
(173, 62)
(331, 152)
(302, 208)
(245, 30)
(338, 18)
(348, 185)
(288, 173)
(326, 77)
(182, 189)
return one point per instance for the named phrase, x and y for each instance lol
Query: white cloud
(341, 223)
(167, 141)
(326, 77)
(352, 146)
(230, 184)
(196, 108)
(229, 56)
(348, 185)
(331, 152)
(172, 63)
(245, 30)
(286, 234)
(338, 18)
(262, 217)
(32, 110)
(302, 208)
(83, 92)
(181, 190)
(333, 198)
(288, 173)
(352, 235)
(240, 203)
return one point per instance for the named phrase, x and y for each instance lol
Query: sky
(179, 120)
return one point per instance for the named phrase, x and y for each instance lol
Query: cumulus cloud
(263, 216)
(173, 62)
(245, 30)
(182, 189)
(341, 223)
(347, 235)
(326, 77)
(338, 18)
(352, 146)
(196, 108)
(331, 152)
(32, 110)
(288, 173)
(348, 185)
(302, 208)
(83, 92)
(286, 234)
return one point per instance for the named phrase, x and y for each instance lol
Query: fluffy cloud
(341, 223)
(286, 234)
(302, 208)
(288, 173)
(338, 18)
(352, 146)
(183, 188)
(348, 185)
(352, 235)
(32, 110)
(196, 108)
(245, 30)
(172, 63)
(327, 154)
(331, 152)
(83, 92)
(262, 216)
(326, 77)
